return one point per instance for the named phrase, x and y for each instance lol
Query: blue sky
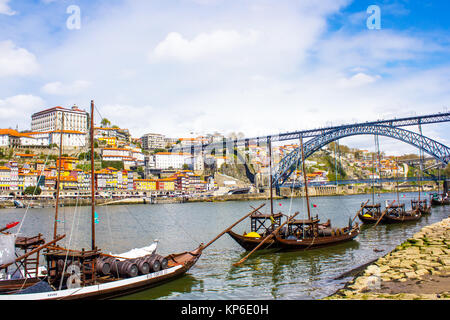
(251, 66)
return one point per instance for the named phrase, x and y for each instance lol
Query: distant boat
(18, 204)
(305, 234)
(439, 199)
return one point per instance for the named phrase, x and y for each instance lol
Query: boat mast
(92, 177)
(396, 178)
(420, 164)
(270, 173)
(304, 177)
(55, 224)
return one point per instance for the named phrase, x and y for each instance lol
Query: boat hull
(436, 202)
(317, 242)
(426, 210)
(369, 220)
(251, 243)
(403, 218)
(179, 264)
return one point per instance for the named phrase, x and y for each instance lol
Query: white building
(50, 119)
(170, 160)
(40, 138)
(70, 138)
(9, 138)
(195, 163)
(152, 141)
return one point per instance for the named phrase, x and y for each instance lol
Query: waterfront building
(5, 178)
(70, 138)
(51, 119)
(20, 181)
(110, 141)
(12, 138)
(170, 160)
(166, 184)
(28, 156)
(50, 183)
(195, 163)
(14, 174)
(119, 134)
(152, 141)
(30, 179)
(144, 184)
(40, 138)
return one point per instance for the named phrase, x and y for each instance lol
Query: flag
(95, 217)
(314, 205)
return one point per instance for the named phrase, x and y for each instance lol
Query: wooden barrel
(103, 266)
(164, 262)
(127, 268)
(143, 265)
(153, 262)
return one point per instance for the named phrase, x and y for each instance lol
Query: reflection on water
(266, 274)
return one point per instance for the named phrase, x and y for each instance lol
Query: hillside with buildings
(158, 165)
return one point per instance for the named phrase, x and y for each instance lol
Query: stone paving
(419, 268)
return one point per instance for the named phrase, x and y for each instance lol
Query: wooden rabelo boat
(89, 274)
(397, 214)
(370, 213)
(421, 205)
(262, 225)
(308, 233)
(439, 199)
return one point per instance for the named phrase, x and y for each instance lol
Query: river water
(265, 275)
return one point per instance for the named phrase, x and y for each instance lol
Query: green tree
(105, 123)
(115, 164)
(31, 190)
(447, 171)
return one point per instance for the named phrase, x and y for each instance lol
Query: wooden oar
(362, 207)
(230, 227)
(267, 238)
(384, 212)
(9, 226)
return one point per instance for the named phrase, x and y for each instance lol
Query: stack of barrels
(131, 267)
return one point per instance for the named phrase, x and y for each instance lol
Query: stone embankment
(419, 268)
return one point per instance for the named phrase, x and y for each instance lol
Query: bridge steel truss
(263, 140)
(293, 160)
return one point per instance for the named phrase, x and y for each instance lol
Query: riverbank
(70, 200)
(418, 269)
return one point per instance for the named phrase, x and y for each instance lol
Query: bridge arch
(435, 149)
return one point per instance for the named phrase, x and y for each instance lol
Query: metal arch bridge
(286, 166)
(396, 122)
(322, 136)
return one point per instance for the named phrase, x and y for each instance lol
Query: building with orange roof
(170, 160)
(5, 178)
(13, 138)
(70, 138)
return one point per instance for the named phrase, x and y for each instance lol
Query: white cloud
(58, 88)
(256, 67)
(17, 110)
(5, 9)
(16, 61)
(359, 79)
(175, 46)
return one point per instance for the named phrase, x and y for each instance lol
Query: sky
(190, 67)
